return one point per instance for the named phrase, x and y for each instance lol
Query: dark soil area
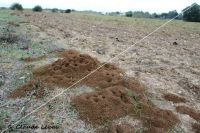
(189, 111)
(117, 128)
(35, 87)
(196, 127)
(174, 98)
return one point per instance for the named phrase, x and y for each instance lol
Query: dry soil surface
(167, 62)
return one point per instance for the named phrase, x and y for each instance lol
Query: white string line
(44, 104)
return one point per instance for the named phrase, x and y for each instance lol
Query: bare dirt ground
(167, 62)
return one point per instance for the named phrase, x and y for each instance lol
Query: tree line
(190, 13)
(141, 14)
(37, 8)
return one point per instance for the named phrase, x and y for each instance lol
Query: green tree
(16, 6)
(129, 14)
(37, 8)
(192, 14)
(68, 11)
(163, 15)
(155, 15)
(114, 13)
(141, 14)
(172, 14)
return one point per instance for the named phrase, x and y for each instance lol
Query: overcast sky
(107, 5)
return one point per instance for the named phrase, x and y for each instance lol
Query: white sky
(107, 5)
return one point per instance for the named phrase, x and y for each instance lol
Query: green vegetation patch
(5, 16)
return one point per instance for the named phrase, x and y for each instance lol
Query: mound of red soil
(115, 97)
(23, 91)
(196, 127)
(189, 111)
(158, 120)
(108, 104)
(114, 102)
(174, 98)
(74, 66)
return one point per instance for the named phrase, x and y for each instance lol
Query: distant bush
(155, 15)
(3, 8)
(68, 11)
(37, 8)
(54, 10)
(192, 14)
(114, 13)
(129, 14)
(16, 6)
(141, 14)
(172, 14)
